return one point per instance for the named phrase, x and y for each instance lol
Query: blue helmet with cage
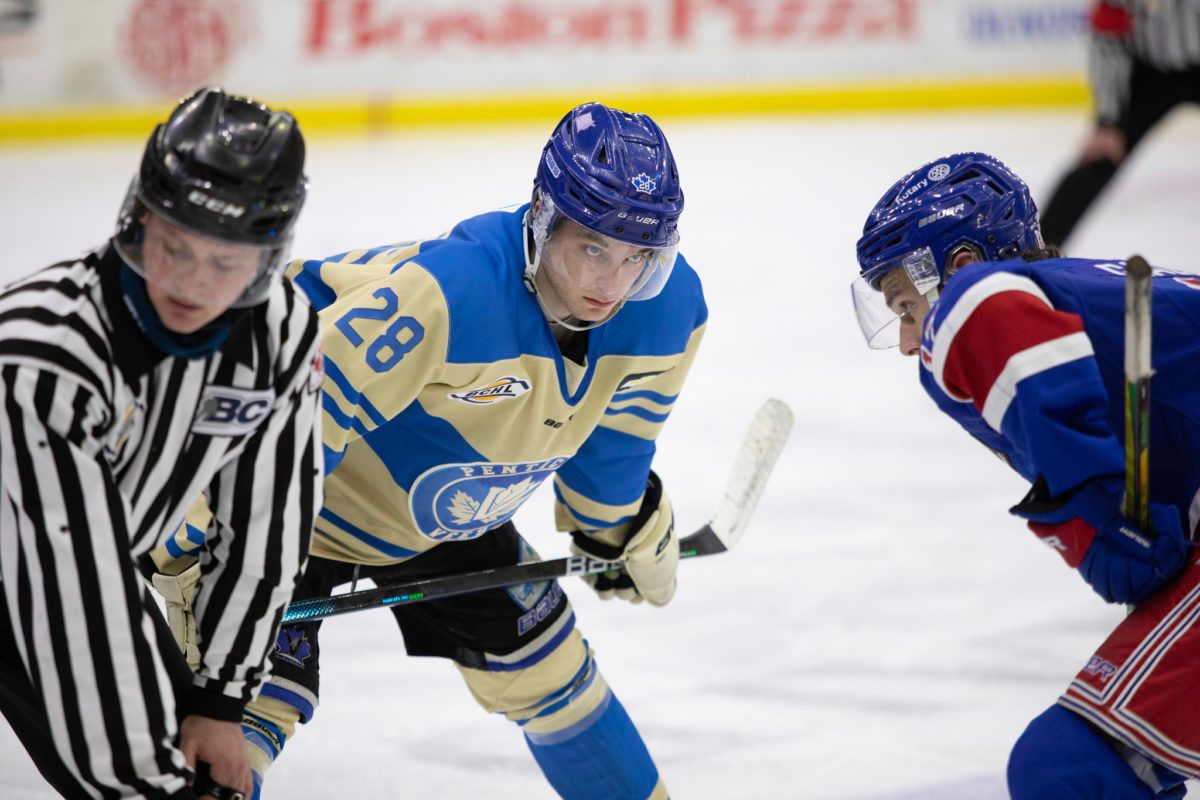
(966, 200)
(612, 172)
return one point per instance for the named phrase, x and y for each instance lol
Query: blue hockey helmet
(612, 172)
(963, 202)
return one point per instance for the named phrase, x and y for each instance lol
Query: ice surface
(885, 629)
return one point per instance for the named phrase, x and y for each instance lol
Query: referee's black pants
(1152, 93)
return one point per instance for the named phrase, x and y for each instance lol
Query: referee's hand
(221, 746)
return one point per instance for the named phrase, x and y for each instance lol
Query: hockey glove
(177, 592)
(648, 546)
(1122, 563)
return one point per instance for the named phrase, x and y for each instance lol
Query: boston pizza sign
(173, 46)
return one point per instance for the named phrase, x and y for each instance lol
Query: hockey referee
(1144, 60)
(168, 363)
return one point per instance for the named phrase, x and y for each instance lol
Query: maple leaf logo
(463, 507)
(505, 502)
(643, 183)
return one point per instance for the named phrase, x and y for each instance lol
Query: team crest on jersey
(292, 645)
(505, 388)
(226, 411)
(463, 501)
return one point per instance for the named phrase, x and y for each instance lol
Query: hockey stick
(1137, 391)
(755, 460)
(205, 786)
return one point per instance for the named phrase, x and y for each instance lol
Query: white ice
(885, 630)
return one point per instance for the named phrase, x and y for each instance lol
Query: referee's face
(191, 279)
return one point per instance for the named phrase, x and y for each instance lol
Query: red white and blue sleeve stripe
(1029, 371)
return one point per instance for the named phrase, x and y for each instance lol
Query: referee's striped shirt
(104, 444)
(1163, 34)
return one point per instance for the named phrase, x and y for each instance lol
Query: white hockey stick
(759, 451)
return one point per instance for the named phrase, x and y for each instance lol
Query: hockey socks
(1059, 755)
(601, 757)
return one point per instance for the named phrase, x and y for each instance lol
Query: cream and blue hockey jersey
(448, 402)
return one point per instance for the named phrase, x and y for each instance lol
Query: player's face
(902, 297)
(587, 275)
(192, 280)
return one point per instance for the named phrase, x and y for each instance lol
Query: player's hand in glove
(1121, 562)
(648, 546)
(177, 592)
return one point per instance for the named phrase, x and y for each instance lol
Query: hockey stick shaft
(753, 465)
(1137, 391)
(443, 586)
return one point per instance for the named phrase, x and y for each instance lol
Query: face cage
(130, 236)
(659, 260)
(877, 321)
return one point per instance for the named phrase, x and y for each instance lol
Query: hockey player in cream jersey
(547, 342)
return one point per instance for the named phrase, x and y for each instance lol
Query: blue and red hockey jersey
(1028, 358)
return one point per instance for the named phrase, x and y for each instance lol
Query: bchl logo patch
(643, 183)
(463, 501)
(226, 411)
(505, 388)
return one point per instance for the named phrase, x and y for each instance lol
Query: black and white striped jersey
(1163, 34)
(104, 444)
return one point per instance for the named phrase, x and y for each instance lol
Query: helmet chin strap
(570, 322)
(532, 261)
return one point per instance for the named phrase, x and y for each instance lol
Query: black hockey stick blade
(759, 451)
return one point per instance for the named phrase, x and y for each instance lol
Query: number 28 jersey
(447, 400)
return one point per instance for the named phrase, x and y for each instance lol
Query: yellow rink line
(400, 113)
